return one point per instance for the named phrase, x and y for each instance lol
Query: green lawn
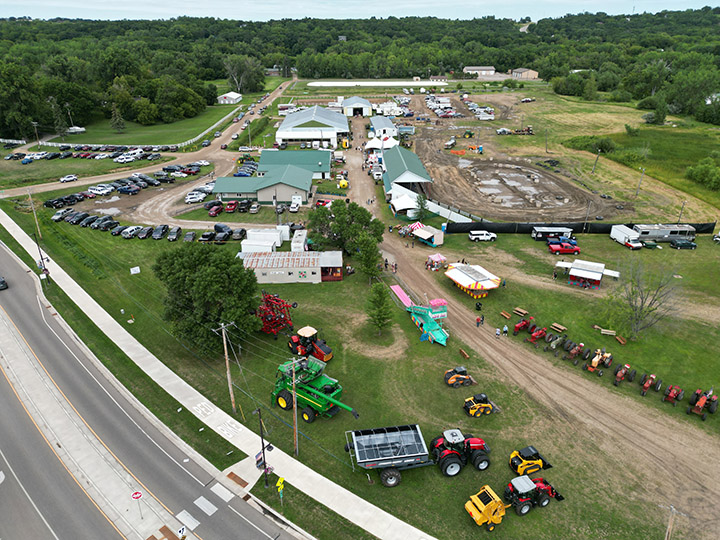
(174, 133)
(395, 380)
(13, 174)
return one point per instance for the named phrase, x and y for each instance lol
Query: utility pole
(227, 364)
(596, 160)
(546, 142)
(37, 138)
(681, 211)
(640, 182)
(37, 225)
(67, 106)
(587, 215)
(262, 442)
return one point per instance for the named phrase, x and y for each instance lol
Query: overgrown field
(394, 380)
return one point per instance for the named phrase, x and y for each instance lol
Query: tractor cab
(307, 343)
(478, 405)
(524, 493)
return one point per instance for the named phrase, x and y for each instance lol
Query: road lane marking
(2, 477)
(42, 314)
(251, 523)
(186, 519)
(221, 491)
(206, 506)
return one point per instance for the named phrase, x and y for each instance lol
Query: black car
(145, 232)
(160, 232)
(116, 185)
(189, 236)
(171, 168)
(280, 208)
(222, 237)
(77, 218)
(151, 181)
(174, 234)
(244, 205)
(99, 221)
(53, 155)
(65, 155)
(88, 221)
(221, 227)
(117, 231)
(207, 236)
(107, 225)
(210, 204)
(166, 179)
(54, 203)
(3, 283)
(164, 148)
(681, 243)
(239, 234)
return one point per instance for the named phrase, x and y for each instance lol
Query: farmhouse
(315, 161)
(524, 73)
(278, 184)
(383, 127)
(294, 266)
(356, 106)
(315, 125)
(403, 167)
(473, 279)
(586, 274)
(480, 71)
(230, 98)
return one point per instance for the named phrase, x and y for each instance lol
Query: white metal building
(383, 127)
(294, 267)
(230, 98)
(315, 124)
(356, 106)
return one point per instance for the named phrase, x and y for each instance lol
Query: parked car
(322, 202)
(208, 205)
(131, 232)
(3, 283)
(60, 214)
(215, 210)
(484, 236)
(564, 248)
(223, 146)
(107, 225)
(231, 206)
(129, 190)
(145, 232)
(77, 218)
(243, 206)
(254, 208)
(160, 232)
(99, 221)
(679, 243)
(195, 197)
(178, 174)
(239, 234)
(207, 236)
(294, 207)
(88, 221)
(117, 231)
(217, 134)
(235, 135)
(280, 208)
(189, 236)
(222, 237)
(54, 203)
(205, 143)
(174, 234)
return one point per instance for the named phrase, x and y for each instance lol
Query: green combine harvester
(317, 393)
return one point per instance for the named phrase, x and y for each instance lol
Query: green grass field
(13, 174)
(395, 380)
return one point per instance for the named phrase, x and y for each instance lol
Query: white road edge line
(42, 314)
(12, 471)
(251, 523)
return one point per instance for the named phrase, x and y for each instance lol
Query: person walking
(497, 333)
(482, 320)
(554, 275)
(505, 330)
(386, 264)
(477, 322)
(503, 283)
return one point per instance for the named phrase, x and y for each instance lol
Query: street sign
(259, 461)
(280, 483)
(137, 495)
(181, 530)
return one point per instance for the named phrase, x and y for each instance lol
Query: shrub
(620, 96)
(633, 132)
(706, 172)
(649, 103)
(591, 143)
(631, 156)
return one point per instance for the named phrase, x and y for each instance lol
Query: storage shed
(230, 98)
(586, 274)
(356, 106)
(295, 267)
(383, 127)
(473, 279)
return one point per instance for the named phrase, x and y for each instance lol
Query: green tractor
(468, 134)
(317, 393)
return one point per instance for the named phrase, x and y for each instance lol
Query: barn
(356, 106)
(230, 98)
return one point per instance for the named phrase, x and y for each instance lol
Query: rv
(543, 233)
(665, 233)
(625, 236)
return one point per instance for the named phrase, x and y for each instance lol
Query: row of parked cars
(221, 233)
(216, 207)
(247, 169)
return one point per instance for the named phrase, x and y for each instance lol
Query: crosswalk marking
(221, 491)
(186, 519)
(206, 506)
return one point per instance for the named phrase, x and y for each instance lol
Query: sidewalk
(355, 509)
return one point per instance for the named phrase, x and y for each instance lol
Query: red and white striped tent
(415, 226)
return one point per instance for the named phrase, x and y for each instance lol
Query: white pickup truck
(484, 236)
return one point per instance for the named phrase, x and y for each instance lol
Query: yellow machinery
(486, 508)
(478, 405)
(528, 461)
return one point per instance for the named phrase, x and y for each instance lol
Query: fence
(18, 142)
(526, 228)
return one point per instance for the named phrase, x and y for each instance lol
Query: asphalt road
(168, 473)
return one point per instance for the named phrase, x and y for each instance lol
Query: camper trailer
(543, 233)
(665, 233)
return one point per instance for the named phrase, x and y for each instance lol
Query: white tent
(374, 144)
(404, 202)
(388, 142)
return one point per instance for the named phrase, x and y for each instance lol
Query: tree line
(159, 71)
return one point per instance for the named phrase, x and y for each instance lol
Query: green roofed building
(315, 161)
(279, 184)
(402, 167)
(316, 126)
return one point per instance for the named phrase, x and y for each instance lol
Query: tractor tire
(600, 373)
(576, 361)
(568, 345)
(451, 466)
(584, 366)
(667, 392)
(643, 379)
(543, 500)
(308, 415)
(713, 407)
(688, 410)
(642, 393)
(532, 328)
(615, 382)
(433, 443)
(617, 369)
(608, 361)
(480, 460)
(694, 398)
(447, 377)
(285, 400)
(680, 395)
(658, 385)
(522, 509)
(587, 353)
(704, 416)
(490, 527)
(515, 332)
(390, 477)
(294, 305)
(456, 384)
(631, 375)
(546, 347)
(467, 382)
(548, 337)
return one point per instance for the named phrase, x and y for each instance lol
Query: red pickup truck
(563, 248)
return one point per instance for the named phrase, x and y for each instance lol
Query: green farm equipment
(468, 134)
(317, 393)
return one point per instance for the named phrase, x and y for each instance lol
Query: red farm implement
(274, 312)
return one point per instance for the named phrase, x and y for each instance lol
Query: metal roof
(289, 175)
(321, 117)
(312, 160)
(399, 160)
(355, 101)
(292, 259)
(381, 122)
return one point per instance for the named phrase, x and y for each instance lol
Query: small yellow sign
(280, 484)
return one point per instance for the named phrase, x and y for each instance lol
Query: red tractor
(622, 373)
(649, 381)
(673, 394)
(536, 336)
(274, 312)
(523, 493)
(700, 401)
(453, 450)
(573, 351)
(525, 324)
(307, 343)
(600, 360)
